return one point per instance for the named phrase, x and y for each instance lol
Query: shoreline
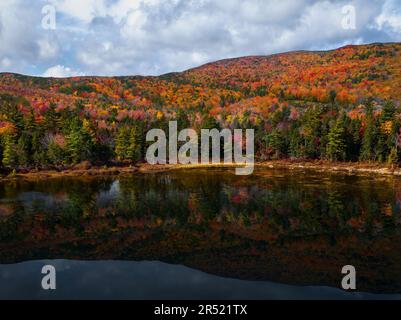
(349, 168)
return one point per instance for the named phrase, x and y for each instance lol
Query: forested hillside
(337, 105)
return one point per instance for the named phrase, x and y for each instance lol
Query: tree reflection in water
(289, 227)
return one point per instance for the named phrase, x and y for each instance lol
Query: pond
(202, 234)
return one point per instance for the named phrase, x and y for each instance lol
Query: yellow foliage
(387, 127)
(159, 115)
(6, 127)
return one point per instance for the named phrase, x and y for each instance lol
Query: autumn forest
(340, 105)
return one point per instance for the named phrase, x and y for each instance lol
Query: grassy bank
(359, 168)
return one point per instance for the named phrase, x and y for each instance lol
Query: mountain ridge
(210, 63)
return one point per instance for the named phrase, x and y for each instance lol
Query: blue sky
(151, 37)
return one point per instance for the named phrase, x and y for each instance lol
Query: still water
(202, 234)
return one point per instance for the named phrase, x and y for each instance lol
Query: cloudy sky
(151, 37)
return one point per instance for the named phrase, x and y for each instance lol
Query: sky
(63, 38)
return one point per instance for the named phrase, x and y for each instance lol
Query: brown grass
(357, 168)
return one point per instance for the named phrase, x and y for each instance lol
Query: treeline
(330, 133)
(60, 138)
(70, 136)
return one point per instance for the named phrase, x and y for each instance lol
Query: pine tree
(23, 149)
(277, 144)
(369, 136)
(9, 154)
(296, 149)
(74, 145)
(51, 119)
(38, 152)
(14, 115)
(182, 120)
(388, 111)
(134, 152)
(393, 157)
(55, 154)
(79, 143)
(122, 143)
(312, 132)
(353, 138)
(336, 142)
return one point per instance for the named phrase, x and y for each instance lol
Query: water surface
(202, 234)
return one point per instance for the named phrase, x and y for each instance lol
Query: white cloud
(125, 37)
(6, 62)
(60, 71)
(390, 16)
(84, 10)
(47, 49)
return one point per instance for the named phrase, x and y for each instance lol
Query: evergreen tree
(312, 132)
(353, 138)
(134, 152)
(369, 136)
(182, 120)
(388, 111)
(295, 148)
(55, 154)
(393, 157)
(30, 122)
(23, 150)
(14, 115)
(79, 142)
(39, 153)
(336, 142)
(9, 152)
(122, 143)
(381, 147)
(51, 120)
(277, 144)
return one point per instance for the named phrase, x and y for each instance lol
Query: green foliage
(23, 150)
(79, 142)
(9, 151)
(122, 143)
(55, 154)
(369, 136)
(277, 143)
(393, 158)
(336, 147)
(128, 143)
(134, 152)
